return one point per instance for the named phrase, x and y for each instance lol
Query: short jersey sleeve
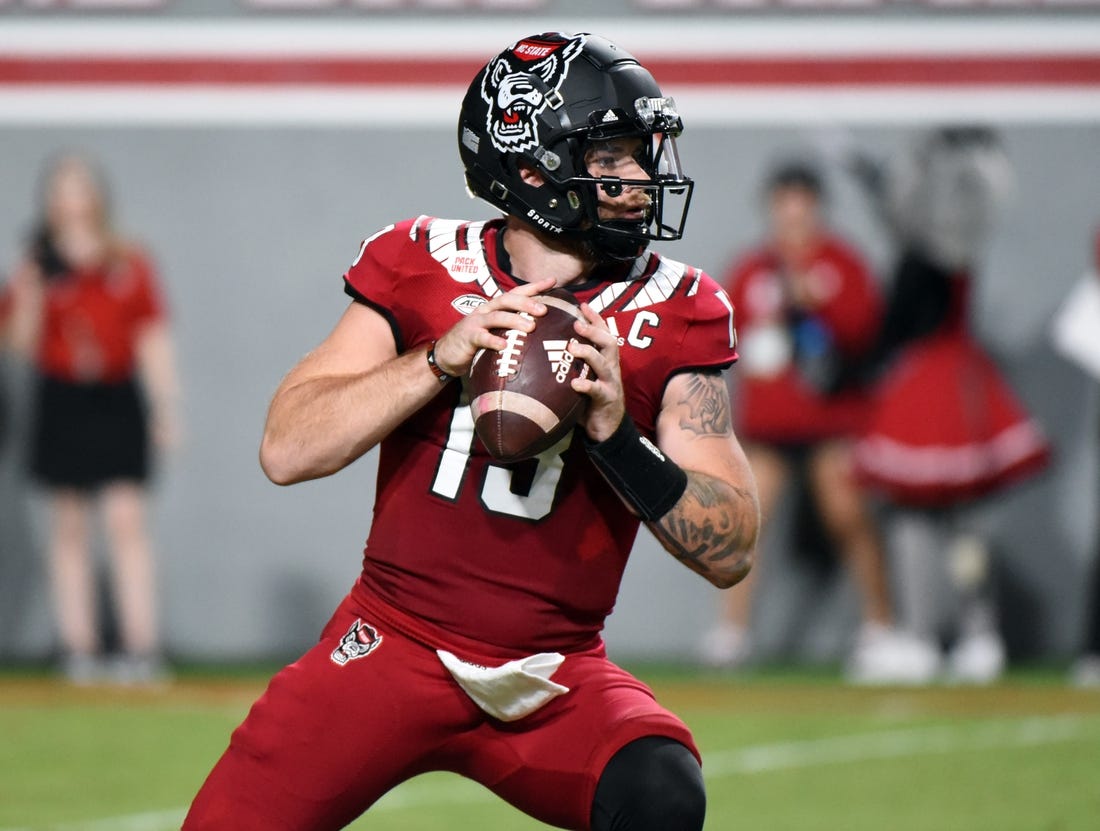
(374, 275)
(398, 272)
(710, 336)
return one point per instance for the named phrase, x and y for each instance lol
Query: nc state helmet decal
(513, 99)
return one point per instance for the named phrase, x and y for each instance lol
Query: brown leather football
(521, 397)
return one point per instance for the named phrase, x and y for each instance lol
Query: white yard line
(896, 744)
(755, 759)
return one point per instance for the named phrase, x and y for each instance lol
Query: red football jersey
(528, 555)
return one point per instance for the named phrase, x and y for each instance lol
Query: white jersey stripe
(464, 266)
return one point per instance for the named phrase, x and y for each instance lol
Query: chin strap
(617, 247)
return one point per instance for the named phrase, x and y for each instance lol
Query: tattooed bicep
(702, 403)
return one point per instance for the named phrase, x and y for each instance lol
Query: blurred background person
(5, 314)
(85, 308)
(946, 430)
(1086, 669)
(807, 309)
(1076, 336)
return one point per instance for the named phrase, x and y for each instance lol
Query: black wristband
(650, 482)
(437, 370)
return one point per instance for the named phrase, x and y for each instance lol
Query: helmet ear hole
(529, 173)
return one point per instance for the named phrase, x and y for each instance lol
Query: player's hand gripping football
(455, 350)
(604, 386)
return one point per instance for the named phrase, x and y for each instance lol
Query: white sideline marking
(893, 744)
(764, 758)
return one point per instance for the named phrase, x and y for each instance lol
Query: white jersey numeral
(496, 490)
(497, 496)
(456, 453)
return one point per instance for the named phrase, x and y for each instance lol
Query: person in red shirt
(808, 308)
(86, 309)
(471, 642)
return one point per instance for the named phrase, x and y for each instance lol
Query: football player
(471, 642)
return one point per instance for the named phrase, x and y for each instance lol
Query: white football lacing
(508, 359)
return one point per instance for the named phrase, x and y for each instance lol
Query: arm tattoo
(708, 529)
(708, 405)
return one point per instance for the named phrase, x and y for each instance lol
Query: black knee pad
(652, 784)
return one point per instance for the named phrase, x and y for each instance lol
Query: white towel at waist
(512, 690)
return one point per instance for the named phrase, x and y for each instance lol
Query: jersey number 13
(497, 492)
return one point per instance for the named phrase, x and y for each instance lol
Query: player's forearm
(320, 425)
(712, 529)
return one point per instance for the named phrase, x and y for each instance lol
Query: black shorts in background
(85, 435)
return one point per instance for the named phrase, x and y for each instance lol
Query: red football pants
(326, 739)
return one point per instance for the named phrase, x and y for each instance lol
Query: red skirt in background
(945, 428)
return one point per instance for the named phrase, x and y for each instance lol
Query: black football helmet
(543, 102)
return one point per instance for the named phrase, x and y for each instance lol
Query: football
(521, 397)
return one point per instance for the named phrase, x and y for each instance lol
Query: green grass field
(782, 751)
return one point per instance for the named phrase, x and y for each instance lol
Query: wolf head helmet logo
(519, 83)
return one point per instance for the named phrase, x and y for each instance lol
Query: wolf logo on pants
(359, 642)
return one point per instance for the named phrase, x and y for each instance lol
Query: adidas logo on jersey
(561, 359)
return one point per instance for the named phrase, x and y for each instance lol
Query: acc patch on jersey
(468, 303)
(359, 642)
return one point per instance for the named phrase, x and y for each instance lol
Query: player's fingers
(587, 353)
(602, 355)
(582, 385)
(505, 319)
(484, 339)
(521, 298)
(592, 316)
(456, 348)
(523, 290)
(600, 392)
(600, 335)
(595, 329)
(602, 385)
(536, 287)
(592, 388)
(514, 303)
